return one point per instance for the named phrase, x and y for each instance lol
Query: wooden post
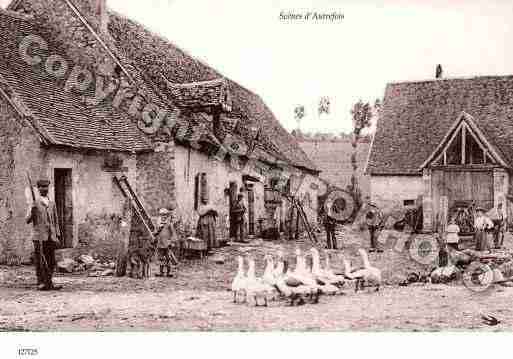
(463, 144)
(124, 238)
(445, 158)
(297, 223)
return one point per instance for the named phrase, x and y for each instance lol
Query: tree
(299, 113)
(362, 114)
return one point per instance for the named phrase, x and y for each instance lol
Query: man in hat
(330, 225)
(373, 220)
(46, 235)
(238, 212)
(482, 225)
(498, 223)
(164, 236)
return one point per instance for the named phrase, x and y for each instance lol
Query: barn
(445, 144)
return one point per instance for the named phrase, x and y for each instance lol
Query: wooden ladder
(136, 204)
(301, 213)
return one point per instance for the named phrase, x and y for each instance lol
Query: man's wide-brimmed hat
(43, 183)
(164, 211)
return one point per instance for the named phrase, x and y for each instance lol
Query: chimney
(439, 71)
(102, 14)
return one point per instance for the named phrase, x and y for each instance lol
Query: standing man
(165, 235)
(373, 220)
(238, 218)
(498, 225)
(45, 236)
(330, 224)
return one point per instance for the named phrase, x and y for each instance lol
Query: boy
(452, 238)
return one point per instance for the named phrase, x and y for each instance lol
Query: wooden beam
(445, 157)
(446, 141)
(463, 143)
(494, 155)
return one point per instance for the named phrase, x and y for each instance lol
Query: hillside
(333, 158)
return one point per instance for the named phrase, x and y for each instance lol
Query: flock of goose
(306, 282)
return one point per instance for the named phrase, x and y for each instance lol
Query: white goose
(269, 277)
(368, 274)
(325, 285)
(304, 275)
(255, 287)
(326, 275)
(239, 282)
(291, 284)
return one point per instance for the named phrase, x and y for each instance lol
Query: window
(200, 190)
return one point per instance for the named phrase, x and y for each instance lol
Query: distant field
(334, 160)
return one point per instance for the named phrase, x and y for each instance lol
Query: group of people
(46, 234)
(484, 226)
(373, 222)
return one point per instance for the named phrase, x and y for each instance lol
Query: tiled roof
(416, 116)
(161, 73)
(63, 117)
(163, 62)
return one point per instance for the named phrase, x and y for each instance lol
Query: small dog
(139, 259)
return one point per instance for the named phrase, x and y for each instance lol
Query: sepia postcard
(234, 166)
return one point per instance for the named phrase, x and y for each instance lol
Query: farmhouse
(219, 139)
(446, 142)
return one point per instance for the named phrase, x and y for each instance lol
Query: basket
(195, 244)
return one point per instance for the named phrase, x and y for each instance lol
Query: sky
(295, 62)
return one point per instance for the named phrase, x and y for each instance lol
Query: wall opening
(64, 204)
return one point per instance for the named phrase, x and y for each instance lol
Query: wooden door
(64, 204)
(233, 199)
(251, 209)
(462, 186)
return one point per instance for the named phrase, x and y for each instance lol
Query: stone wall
(98, 205)
(155, 182)
(389, 192)
(19, 154)
(188, 164)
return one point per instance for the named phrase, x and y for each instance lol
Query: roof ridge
(195, 83)
(462, 78)
(185, 52)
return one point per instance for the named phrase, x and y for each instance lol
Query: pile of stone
(86, 263)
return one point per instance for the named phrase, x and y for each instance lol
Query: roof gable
(416, 116)
(463, 133)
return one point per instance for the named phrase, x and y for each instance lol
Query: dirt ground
(198, 299)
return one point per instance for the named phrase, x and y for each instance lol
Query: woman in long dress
(482, 224)
(206, 229)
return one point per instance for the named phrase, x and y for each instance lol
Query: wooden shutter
(196, 191)
(204, 188)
